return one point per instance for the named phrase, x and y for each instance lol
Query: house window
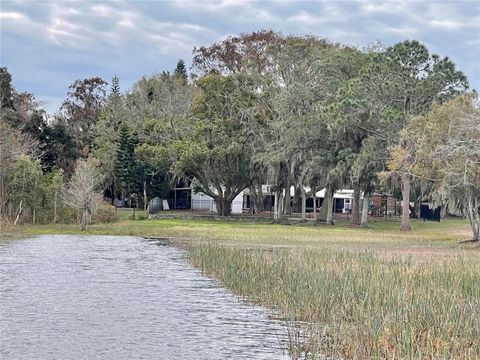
(348, 204)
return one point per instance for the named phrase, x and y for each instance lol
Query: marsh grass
(357, 305)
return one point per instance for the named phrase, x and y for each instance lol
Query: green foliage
(68, 215)
(115, 86)
(25, 188)
(181, 71)
(82, 108)
(442, 148)
(22, 112)
(154, 156)
(421, 78)
(125, 165)
(216, 151)
(6, 90)
(157, 107)
(267, 108)
(26, 180)
(141, 216)
(113, 116)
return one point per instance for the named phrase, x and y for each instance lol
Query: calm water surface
(103, 297)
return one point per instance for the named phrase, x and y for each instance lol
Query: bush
(141, 216)
(67, 215)
(105, 213)
(43, 216)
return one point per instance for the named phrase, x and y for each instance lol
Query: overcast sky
(47, 45)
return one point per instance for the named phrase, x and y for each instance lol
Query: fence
(203, 204)
(209, 205)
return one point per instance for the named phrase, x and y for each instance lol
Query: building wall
(201, 201)
(343, 200)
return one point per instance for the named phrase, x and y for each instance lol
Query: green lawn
(428, 239)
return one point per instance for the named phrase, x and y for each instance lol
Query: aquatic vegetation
(357, 305)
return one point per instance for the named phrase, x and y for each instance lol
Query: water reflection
(102, 297)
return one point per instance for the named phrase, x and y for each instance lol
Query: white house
(342, 200)
(201, 201)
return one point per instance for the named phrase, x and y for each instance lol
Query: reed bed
(357, 305)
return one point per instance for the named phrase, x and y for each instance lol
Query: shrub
(105, 213)
(141, 216)
(67, 215)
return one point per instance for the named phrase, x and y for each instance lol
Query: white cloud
(210, 6)
(102, 10)
(405, 31)
(20, 24)
(75, 37)
(64, 32)
(376, 7)
(446, 24)
(10, 15)
(304, 18)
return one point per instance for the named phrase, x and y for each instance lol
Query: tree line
(258, 108)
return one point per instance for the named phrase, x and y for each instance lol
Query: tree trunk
(2, 198)
(329, 199)
(19, 212)
(314, 198)
(287, 208)
(260, 199)
(33, 216)
(405, 225)
(145, 199)
(473, 217)
(356, 206)
(326, 211)
(55, 199)
(113, 192)
(418, 206)
(277, 206)
(366, 200)
(297, 200)
(304, 203)
(89, 213)
(224, 206)
(83, 220)
(281, 203)
(253, 200)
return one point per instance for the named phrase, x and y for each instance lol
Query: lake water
(106, 297)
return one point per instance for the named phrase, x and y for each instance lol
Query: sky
(47, 45)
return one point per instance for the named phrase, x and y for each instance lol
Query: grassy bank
(356, 293)
(357, 305)
(428, 240)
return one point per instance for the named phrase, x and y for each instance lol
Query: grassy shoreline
(357, 305)
(427, 240)
(348, 292)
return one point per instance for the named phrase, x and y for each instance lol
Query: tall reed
(357, 305)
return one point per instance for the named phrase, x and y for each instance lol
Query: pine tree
(6, 89)
(181, 71)
(115, 88)
(125, 161)
(114, 111)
